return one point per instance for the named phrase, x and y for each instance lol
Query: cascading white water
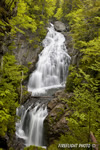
(21, 112)
(51, 71)
(30, 127)
(52, 67)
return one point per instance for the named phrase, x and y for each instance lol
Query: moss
(11, 148)
(29, 64)
(12, 46)
(25, 92)
(33, 148)
(59, 114)
(53, 147)
(51, 120)
(35, 46)
(19, 46)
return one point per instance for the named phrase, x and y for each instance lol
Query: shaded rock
(75, 54)
(16, 143)
(52, 104)
(25, 52)
(59, 26)
(61, 94)
(25, 97)
(62, 126)
(3, 143)
(57, 110)
(69, 43)
(56, 123)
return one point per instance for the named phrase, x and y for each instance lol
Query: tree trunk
(21, 89)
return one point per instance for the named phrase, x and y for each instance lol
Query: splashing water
(30, 127)
(52, 67)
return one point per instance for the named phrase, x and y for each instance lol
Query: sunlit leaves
(84, 79)
(4, 118)
(22, 20)
(10, 82)
(59, 14)
(22, 8)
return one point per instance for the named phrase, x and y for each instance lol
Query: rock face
(16, 143)
(55, 123)
(26, 52)
(25, 47)
(75, 55)
(59, 26)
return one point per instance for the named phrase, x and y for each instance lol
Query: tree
(10, 82)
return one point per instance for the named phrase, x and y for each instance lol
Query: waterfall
(30, 127)
(52, 67)
(51, 71)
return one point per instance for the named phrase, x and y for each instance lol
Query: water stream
(50, 73)
(52, 66)
(30, 127)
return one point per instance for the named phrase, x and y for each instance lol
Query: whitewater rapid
(52, 66)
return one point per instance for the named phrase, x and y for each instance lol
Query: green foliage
(33, 148)
(12, 46)
(74, 79)
(10, 80)
(26, 15)
(59, 14)
(53, 146)
(84, 80)
(84, 104)
(29, 64)
(22, 20)
(32, 15)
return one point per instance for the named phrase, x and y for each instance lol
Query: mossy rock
(34, 148)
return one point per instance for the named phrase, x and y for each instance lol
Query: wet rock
(56, 123)
(52, 104)
(59, 26)
(18, 144)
